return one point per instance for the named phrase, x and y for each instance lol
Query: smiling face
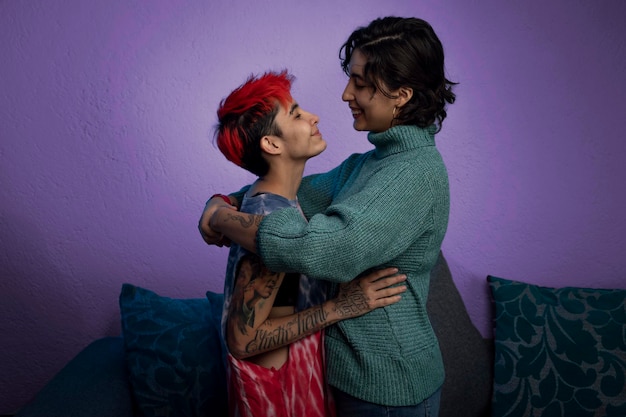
(371, 110)
(300, 138)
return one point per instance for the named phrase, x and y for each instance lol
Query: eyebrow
(353, 73)
(294, 106)
(356, 76)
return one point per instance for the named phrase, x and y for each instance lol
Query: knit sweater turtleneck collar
(402, 138)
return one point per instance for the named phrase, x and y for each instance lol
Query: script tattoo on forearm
(302, 325)
(312, 319)
(352, 301)
(245, 220)
(268, 340)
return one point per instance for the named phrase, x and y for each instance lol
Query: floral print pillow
(558, 352)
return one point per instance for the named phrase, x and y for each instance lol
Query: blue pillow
(173, 353)
(558, 351)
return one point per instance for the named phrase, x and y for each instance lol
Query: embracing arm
(356, 233)
(355, 299)
(236, 226)
(217, 201)
(399, 207)
(315, 195)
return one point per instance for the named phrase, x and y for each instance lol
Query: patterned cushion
(558, 352)
(173, 353)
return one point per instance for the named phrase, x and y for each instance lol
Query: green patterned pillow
(558, 352)
(173, 353)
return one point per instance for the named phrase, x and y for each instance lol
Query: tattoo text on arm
(303, 324)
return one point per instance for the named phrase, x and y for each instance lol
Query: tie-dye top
(311, 292)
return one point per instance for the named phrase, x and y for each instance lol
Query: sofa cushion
(94, 383)
(558, 351)
(173, 353)
(467, 356)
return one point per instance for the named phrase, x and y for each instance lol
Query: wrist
(331, 309)
(214, 220)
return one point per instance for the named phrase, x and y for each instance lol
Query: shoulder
(354, 161)
(265, 203)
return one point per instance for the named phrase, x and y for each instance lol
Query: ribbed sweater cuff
(282, 223)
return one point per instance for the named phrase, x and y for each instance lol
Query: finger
(204, 236)
(214, 239)
(387, 301)
(205, 230)
(390, 292)
(378, 274)
(385, 272)
(387, 282)
(386, 292)
(208, 239)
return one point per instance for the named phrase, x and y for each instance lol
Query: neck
(283, 181)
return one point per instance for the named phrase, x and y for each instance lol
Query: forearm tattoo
(268, 340)
(303, 324)
(245, 220)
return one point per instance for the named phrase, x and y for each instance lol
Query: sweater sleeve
(317, 191)
(391, 211)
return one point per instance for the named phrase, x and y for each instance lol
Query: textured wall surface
(106, 113)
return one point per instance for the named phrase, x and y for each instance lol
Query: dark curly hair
(404, 52)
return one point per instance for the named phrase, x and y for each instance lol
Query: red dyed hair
(248, 114)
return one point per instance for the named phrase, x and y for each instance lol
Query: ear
(404, 94)
(271, 145)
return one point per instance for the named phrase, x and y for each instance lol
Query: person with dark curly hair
(388, 206)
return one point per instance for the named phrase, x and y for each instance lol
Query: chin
(359, 126)
(356, 127)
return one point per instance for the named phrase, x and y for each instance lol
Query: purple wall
(106, 111)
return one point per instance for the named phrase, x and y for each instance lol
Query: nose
(313, 118)
(347, 93)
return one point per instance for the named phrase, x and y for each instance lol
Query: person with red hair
(388, 206)
(273, 322)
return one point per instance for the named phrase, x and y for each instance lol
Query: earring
(393, 116)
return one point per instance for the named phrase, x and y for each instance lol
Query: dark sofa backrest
(467, 356)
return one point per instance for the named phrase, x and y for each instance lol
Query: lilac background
(106, 112)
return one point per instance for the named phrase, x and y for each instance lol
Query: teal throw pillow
(558, 351)
(173, 353)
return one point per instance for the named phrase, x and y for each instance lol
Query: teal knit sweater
(386, 207)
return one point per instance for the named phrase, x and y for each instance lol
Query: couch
(556, 352)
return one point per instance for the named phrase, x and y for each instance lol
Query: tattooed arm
(210, 236)
(241, 227)
(355, 298)
(253, 296)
